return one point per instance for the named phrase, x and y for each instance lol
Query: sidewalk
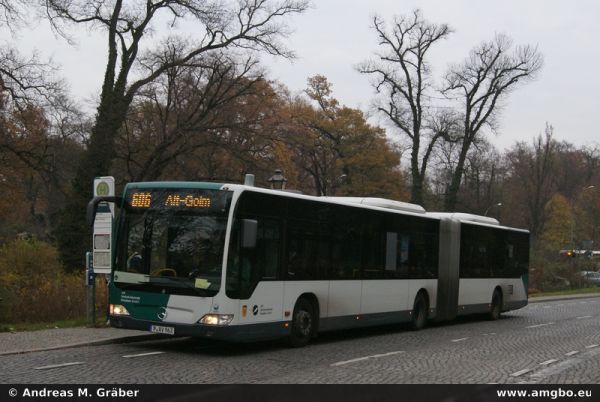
(61, 338)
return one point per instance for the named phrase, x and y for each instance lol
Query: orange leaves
(336, 151)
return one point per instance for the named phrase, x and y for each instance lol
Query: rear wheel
(303, 323)
(419, 315)
(496, 307)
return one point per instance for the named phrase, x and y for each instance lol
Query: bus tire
(419, 313)
(303, 323)
(496, 308)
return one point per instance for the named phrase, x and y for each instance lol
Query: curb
(97, 342)
(564, 297)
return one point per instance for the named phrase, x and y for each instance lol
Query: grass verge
(595, 289)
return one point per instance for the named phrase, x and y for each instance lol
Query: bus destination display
(169, 199)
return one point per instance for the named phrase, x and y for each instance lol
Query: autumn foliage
(35, 287)
(211, 113)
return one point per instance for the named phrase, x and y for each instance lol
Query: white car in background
(591, 277)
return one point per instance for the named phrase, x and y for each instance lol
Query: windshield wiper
(170, 281)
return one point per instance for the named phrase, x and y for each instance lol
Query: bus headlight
(117, 309)
(216, 319)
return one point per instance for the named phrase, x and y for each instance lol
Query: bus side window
(517, 255)
(269, 244)
(396, 255)
(294, 260)
(470, 253)
(308, 254)
(264, 258)
(246, 267)
(345, 254)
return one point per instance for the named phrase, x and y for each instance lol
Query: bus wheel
(496, 305)
(303, 323)
(419, 316)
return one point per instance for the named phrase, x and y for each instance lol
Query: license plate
(159, 329)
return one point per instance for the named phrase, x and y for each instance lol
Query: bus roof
(475, 220)
(380, 204)
(486, 220)
(175, 184)
(374, 203)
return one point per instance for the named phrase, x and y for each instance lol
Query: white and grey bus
(237, 262)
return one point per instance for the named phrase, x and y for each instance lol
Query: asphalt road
(549, 342)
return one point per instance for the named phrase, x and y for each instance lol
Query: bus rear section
(483, 266)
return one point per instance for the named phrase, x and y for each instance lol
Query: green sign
(102, 188)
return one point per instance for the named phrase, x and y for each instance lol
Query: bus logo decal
(162, 313)
(255, 310)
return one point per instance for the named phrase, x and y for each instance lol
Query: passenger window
(268, 245)
(246, 267)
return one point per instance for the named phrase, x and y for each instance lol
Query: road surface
(554, 342)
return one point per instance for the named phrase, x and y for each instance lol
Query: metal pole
(94, 300)
(90, 284)
(88, 304)
(107, 283)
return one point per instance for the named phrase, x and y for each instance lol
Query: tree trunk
(72, 230)
(416, 192)
(452, 196)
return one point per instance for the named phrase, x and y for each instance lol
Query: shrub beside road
(36, 291)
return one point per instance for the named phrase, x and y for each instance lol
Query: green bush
(552, 272)
(34, 286)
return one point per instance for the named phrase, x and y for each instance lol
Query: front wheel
(303, 324)
(419, 315)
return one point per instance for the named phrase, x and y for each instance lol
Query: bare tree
(591, 154)
(191, 107)
(483, 174)
(490, 73)
(24, 80)
(28, 81)
(252, 24)
(531, 182)
(11, 13)
(244, 25)
(35, 109)
(402, 78)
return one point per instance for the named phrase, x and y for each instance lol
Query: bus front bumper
(242, 333)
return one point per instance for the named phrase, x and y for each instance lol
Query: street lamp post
(491, 206)
(278, 180)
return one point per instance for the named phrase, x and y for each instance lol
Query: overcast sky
(335, 35)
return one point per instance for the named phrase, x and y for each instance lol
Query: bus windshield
(171, 241)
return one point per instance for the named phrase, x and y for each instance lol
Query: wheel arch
(425, 293)
(498, 289)
(314, 301)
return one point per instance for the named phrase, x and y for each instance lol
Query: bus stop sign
(103, 224)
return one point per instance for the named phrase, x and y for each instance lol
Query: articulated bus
(238, 262)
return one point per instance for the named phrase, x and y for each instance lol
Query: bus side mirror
(249, 231)
(90, 213)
